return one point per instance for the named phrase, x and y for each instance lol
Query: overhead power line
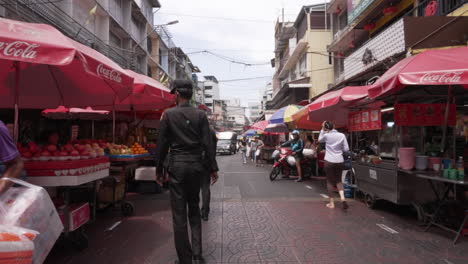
(219, 18)
(246, 79)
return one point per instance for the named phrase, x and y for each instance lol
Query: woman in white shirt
(335, 145)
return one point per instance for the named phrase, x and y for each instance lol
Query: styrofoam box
(145, 174)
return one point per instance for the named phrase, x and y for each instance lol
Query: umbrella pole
(17, 80)
(447, 108)
(113, 124)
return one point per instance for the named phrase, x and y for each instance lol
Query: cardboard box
(79, 214)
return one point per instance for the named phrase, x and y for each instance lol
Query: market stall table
(450, 185)
(67, 175)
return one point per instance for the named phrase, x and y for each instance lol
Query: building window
(209, 104)
(303, 64)
(115, 40)
(208, 96)
(208, 87)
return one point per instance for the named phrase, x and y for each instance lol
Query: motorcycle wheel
(274, 173)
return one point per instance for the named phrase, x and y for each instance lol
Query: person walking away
(297, 146)
(258, 152)
(243, 149)
(253, 149)
(11, 164)
(335, 145)
(206, 179)
(185, 130)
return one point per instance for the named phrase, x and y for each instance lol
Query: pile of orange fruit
(138, 149)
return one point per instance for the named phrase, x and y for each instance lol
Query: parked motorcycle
(285, 163)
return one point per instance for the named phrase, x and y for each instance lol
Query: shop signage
(424, 114)
(19, 49)
(110, 74)
(373, 174)
(365, 120)
(356, 7)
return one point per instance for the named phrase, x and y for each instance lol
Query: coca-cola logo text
(109, 73)
(447, 77)
(19, 49)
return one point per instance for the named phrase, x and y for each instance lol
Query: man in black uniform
(185, 130)
(206, 179)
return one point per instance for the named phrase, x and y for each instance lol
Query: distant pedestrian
(243, 149)
(335, 145)
(253, 149)
(259, 152)
(185, 130)
(206, 179)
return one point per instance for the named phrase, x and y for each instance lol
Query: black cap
(180, 84)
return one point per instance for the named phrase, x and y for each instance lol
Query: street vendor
(9, 156)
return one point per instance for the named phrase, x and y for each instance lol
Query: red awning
(432, 67)
(332, 106)
(41, 68)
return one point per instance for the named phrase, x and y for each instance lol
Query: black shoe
(300, 180)
(345, 205)
(205, 217)
(199, 259)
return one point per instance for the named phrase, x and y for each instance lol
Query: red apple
(45, 153)
(80, 148)
(33, 147)
(68, 148)
(27, 155)
(51, 148)
(74, 153)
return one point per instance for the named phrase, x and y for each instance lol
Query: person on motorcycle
(297, 145)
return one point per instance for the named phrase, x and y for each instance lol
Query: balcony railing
(438, 7)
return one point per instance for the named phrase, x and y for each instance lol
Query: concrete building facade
(368, 37)
(303, 68)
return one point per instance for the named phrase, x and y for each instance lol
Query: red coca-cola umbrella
(41, 68)
(147, 95)
(332, 106)
(432, 67)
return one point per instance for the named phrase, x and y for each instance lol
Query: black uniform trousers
(205, 191)
(185, 179)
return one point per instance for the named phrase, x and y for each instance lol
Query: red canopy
(330, 106)
(432, 67)
(260, 126)
(147, 95)
(41, 68)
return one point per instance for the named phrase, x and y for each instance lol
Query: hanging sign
(365, 120)
(424, 114)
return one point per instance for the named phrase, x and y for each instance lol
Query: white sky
(247, 41)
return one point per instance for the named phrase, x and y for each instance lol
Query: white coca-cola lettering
(109, 74)
(19, 49)
(447, 77)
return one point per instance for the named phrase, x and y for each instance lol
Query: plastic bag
(308, 153)
(16, 244)
(257, 153)
(30, 206)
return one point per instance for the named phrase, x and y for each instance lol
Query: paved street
(254, 220)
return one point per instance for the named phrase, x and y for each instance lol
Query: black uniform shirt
(186, 131)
